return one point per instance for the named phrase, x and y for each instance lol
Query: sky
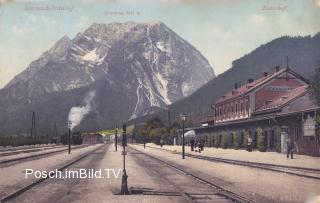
(222, 30)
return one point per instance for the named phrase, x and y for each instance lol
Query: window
(241, 107)
(236, 108)
(266, 102)
(247, 105)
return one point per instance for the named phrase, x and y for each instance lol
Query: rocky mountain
(303, 54)
(109, 73)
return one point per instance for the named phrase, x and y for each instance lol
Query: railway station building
(91, 138)
(271, 110)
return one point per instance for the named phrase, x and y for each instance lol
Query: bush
(277, 134)
(137, 133)
(173, 134)
(236, 144)
(215, 139)
(245, 138)
(158, 134)
(261, 144)
(15, 141)
(224, 143)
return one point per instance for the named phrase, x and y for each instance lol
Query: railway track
(311, 173)
(28, 150)
(6, 149)
(10, 162)
(207, 191)
(29, 186)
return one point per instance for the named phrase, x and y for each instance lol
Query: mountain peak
(140, 65)
(60, 45)
(154, 23)
(115, 29)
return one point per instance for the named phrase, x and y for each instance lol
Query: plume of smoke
(77, 113)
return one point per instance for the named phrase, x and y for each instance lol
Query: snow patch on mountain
(162, 87)
(91, 56)
(161, 46)
(186, 89)
(135, 111)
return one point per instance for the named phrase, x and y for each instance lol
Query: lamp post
(183, 118)
(116, 138)
(69, 136)
(169, 125)
(124, 184)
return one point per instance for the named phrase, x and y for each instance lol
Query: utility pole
(33, 126)
(132, 137)
(116, 137)
(169, 125)
(183, 118)
(69, 137)
(124, 184)
(55, 133)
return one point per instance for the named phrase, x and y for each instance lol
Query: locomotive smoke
(77, 113)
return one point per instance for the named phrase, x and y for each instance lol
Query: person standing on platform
(161, 142)
(290, 149)
(249, 147)
(202, 144)
(199, 146)
(192, 144)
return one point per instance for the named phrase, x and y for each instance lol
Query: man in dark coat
(192, 144)
(290, 149)
(202, 144)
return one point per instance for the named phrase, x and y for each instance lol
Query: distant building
(280, 100)
(91, 138)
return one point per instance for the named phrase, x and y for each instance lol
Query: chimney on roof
(250, 80)
(276, 69)
(265, 74)
(235, 86)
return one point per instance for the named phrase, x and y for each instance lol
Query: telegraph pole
(116, 137)
(55, 133)
(183, 118)
(169, 125)
(69, 137)
(33, 126)
(124, 184)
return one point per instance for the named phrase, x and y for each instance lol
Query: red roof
(248, 87)
(207, 119)
(285, 98)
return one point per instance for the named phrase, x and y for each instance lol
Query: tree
(261, 145)
(155, 123)
(146, 129)
(224, 143)
(245, 138)
(236, 144)
(277, 133)
(215, 139)
(315, 85)
(158, 134)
